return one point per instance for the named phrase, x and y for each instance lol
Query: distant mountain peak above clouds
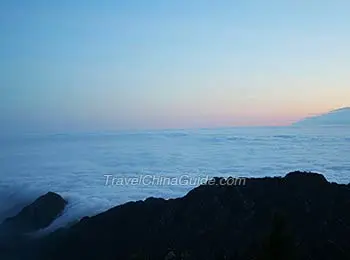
(347, 109)
(337, 117)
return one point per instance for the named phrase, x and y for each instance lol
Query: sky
(135, 64)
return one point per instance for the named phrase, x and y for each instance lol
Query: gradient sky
(103, 65)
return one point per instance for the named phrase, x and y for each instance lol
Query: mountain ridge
(336, 117)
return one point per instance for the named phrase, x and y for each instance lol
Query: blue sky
(104, 65)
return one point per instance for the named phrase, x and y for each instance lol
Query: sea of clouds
(75, 165)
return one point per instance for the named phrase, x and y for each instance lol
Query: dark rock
(39, 214)
(300, 216)
(309, 178)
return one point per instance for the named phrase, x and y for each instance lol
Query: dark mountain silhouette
(40, 214)
(301, 216)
